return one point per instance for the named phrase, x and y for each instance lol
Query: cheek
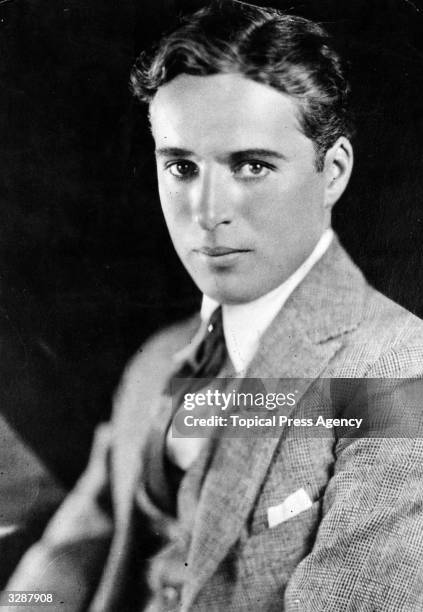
(174, 196)
(281, 214)
(172, 203)
(299, 202)
(264, 207)
(177, 223)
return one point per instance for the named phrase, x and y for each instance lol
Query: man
(249, 115)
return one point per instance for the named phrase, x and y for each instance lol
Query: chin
(229, 294)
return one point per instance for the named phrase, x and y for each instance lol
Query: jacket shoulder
(390, 321)
(162, 346)
(387, 342)
(147, 371)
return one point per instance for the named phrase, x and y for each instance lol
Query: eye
(183, 169)
(252, 170)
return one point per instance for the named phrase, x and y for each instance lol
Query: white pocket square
(6, 530)
(294, 504)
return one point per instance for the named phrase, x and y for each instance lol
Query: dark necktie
(162, 477)
(206, 361)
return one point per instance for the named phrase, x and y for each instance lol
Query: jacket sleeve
(29, 496)
(368, 550)
(69, 558)
(367, 553)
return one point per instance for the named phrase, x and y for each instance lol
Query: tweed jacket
(357, 546)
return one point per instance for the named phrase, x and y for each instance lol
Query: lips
(220, 251)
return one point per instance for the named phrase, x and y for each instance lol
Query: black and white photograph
(211, 303)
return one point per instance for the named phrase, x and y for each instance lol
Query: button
(170, 595)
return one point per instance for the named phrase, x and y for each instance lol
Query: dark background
(87, 270)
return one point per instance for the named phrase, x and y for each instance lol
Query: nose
(211, 204)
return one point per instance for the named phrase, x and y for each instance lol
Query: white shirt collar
(244, 324)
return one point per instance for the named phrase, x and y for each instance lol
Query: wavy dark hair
(289, 53)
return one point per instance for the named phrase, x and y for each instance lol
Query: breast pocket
(280, 548)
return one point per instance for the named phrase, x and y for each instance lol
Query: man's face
(240, 193)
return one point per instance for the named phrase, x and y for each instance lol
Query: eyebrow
(234, 157)
(173, 152)
(238, 156)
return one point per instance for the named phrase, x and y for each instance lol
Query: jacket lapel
(299, 344)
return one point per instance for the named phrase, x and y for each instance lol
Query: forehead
(209, 112)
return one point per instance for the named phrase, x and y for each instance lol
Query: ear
(338, 166)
